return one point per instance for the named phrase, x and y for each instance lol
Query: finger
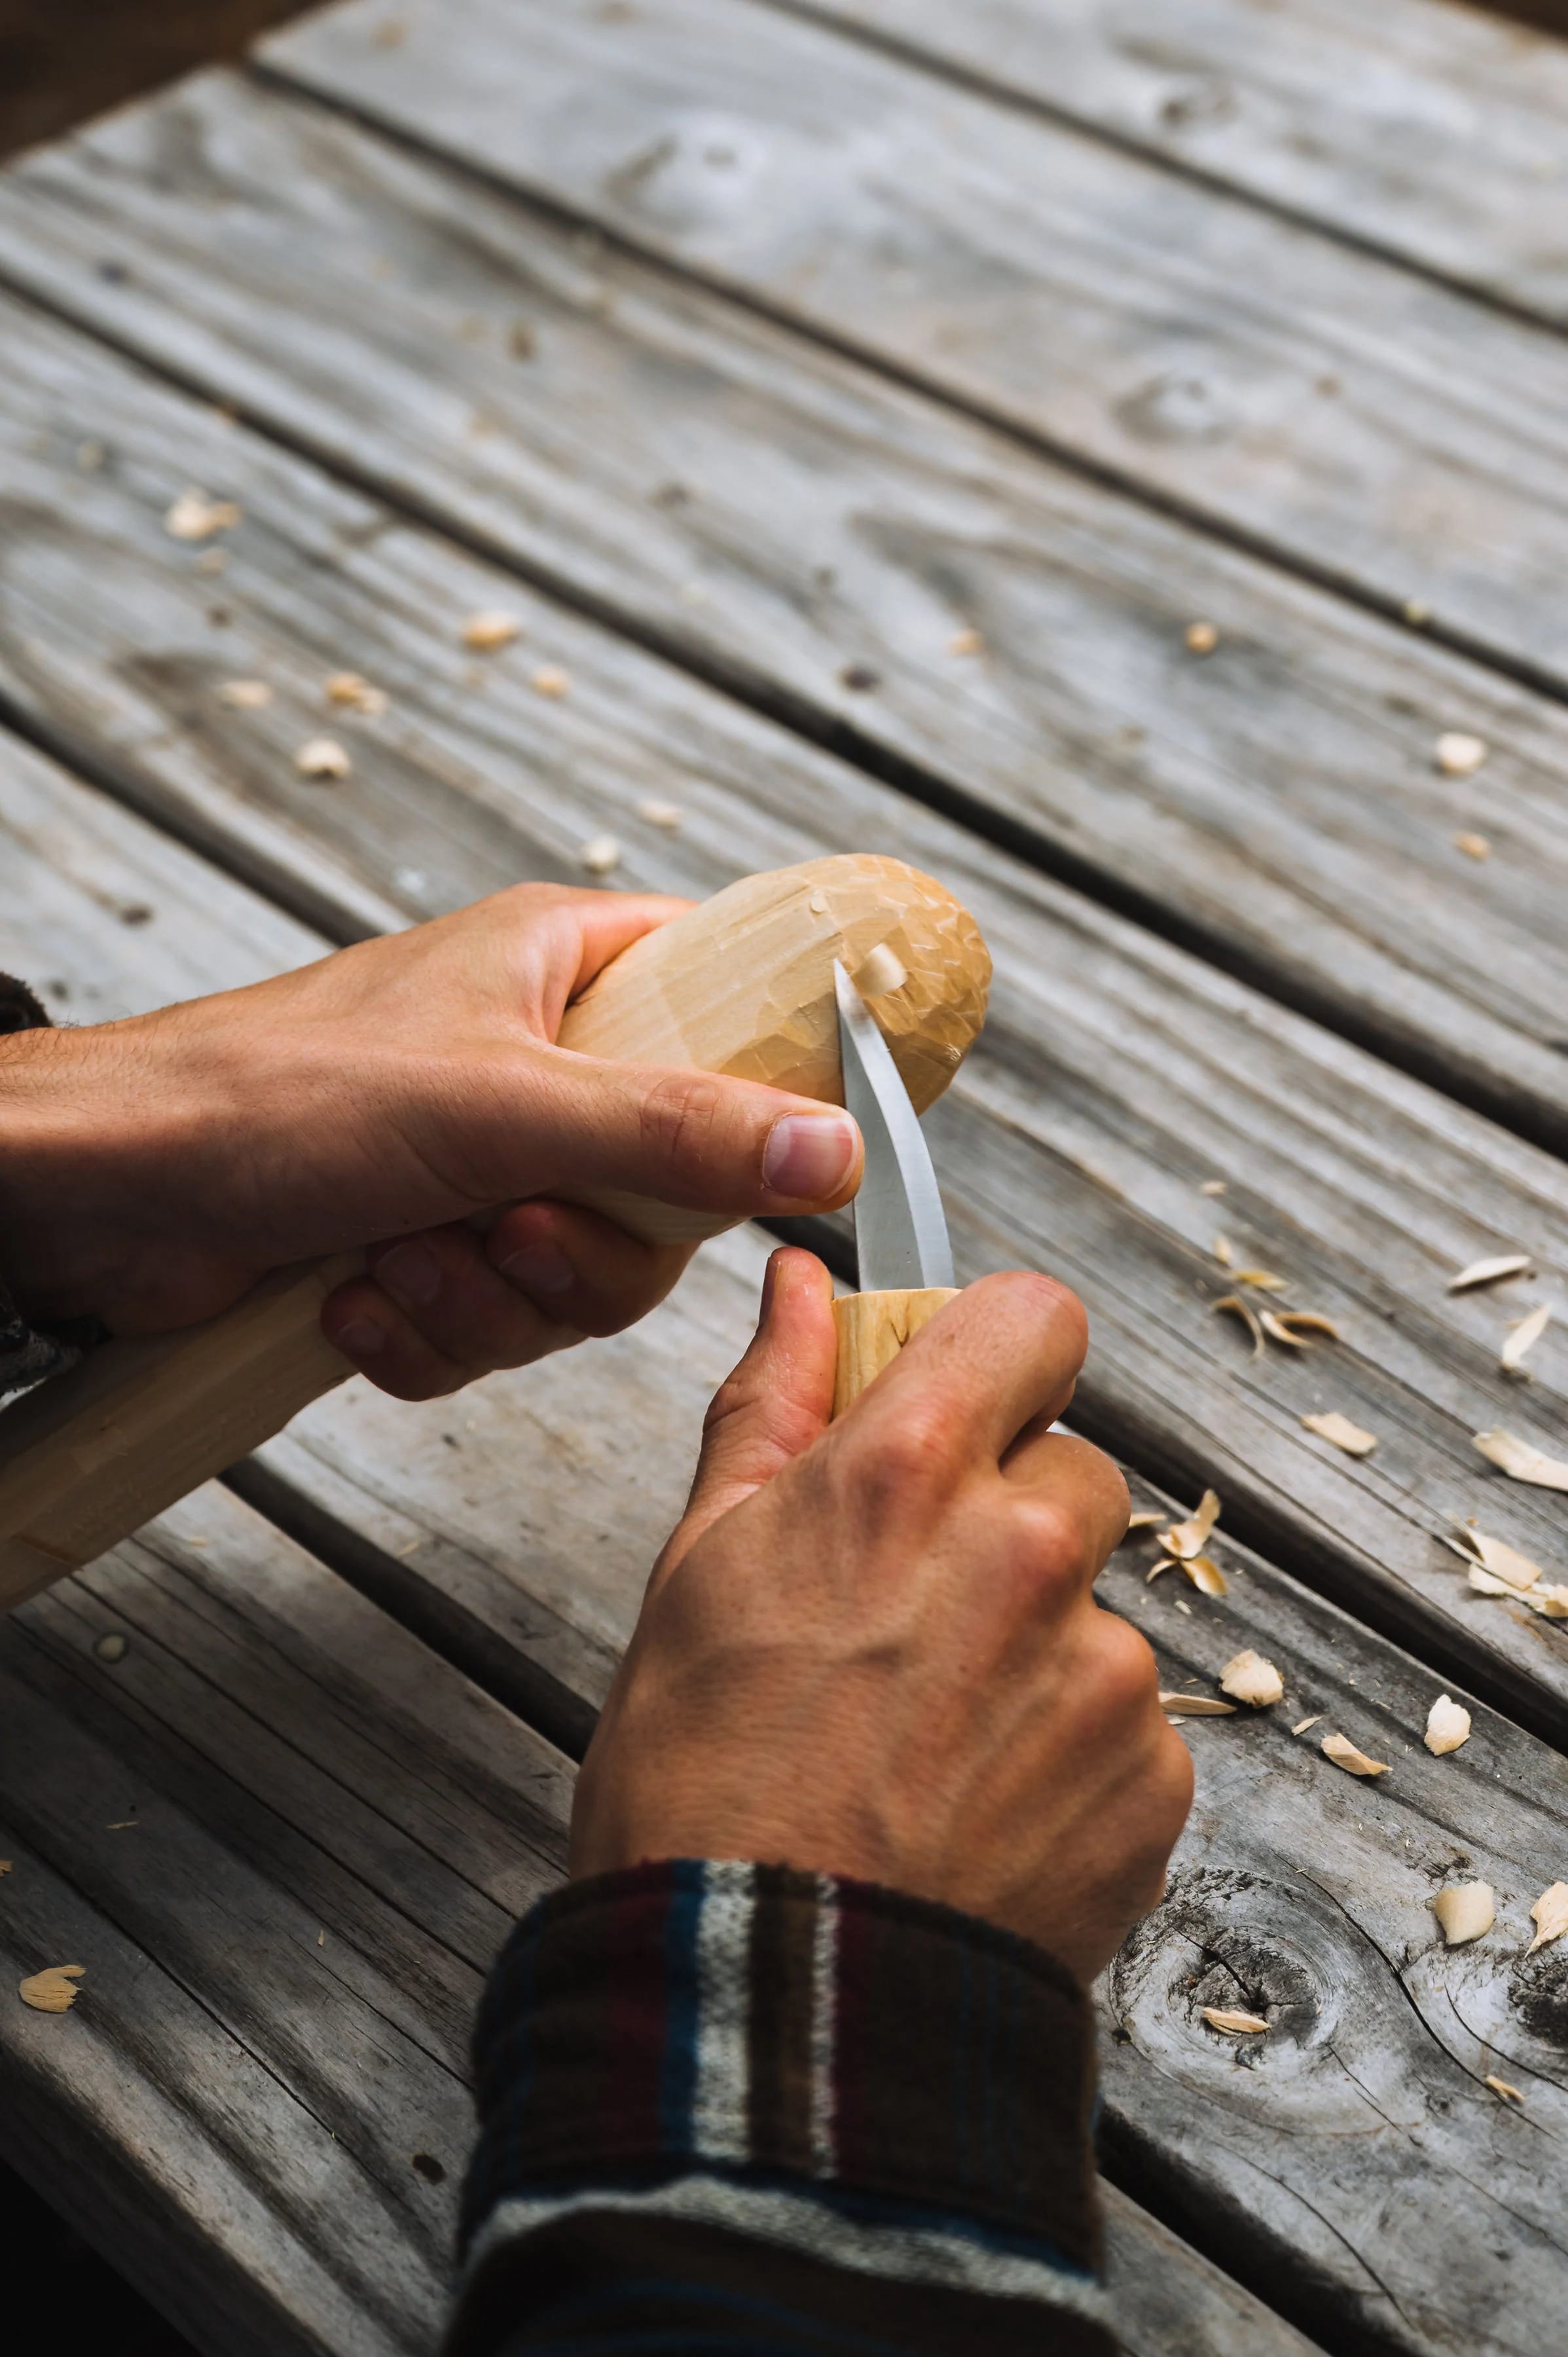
(390, 1342)
(1079, 1487)
(775, 1403)
(446, 1285)
(548, 1121)
(611, 922)
(1005, 1351)
(581, 1269)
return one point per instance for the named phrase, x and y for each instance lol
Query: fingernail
(361, 1338)
(411, 1274)
(808, 1155)
(540, 1269)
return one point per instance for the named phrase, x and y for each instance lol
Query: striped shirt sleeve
(737, 2107)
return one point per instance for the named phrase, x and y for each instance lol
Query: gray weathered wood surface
(1403, 441)
(1428, 131)
(1118, 1073)
(769, 513)
(1371, 2078)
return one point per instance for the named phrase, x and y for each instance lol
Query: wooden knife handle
(873, 1327)
(742, 984)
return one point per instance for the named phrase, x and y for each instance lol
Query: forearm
(761, 2108)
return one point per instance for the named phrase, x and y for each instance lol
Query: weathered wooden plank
(1118, 1074)
(1428, 131)
(1314, 398)
(769, 513)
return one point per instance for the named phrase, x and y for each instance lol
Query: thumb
(774, 1405)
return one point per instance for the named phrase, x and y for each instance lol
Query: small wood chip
(1448, 1726)
(1264, 1280)
(1213, 1187)
(1189, 1538)
(1503, 2087)
(600, 854)
(1148, 1520)
(193, 516)
(660, 813)
(1458, 755)
(53, 1990)
(346, 687)
(880, 972)
(1489, 1271)
(1504, 1562)
(1296, 1326)
(1466, 1911)
(966, 642)
(1186, 1706)
(322, 757)
(1521, 1462)
(5, 1865)
(1550, 1916)
(1165, 1562)
(1474, 846)
(1205, 1574)
(1523, 1338)
(1302, 1724)
(1253, 1679)
(552, 680)
(1332, 1425)
(113, 1647)
(1244, 2025)
(245, 694)
(1233, 1304)
(1183, 1606)
(1222, 1251)
(1202, 638)
(1344, 1754)
(487, 632)
(1552, 1603)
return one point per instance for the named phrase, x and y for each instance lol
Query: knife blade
(900, 1227)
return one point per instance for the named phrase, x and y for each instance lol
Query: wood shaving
(881, 971)
(1332, 1425)
(113, 1647)
(1504, 1562)
(193, 516)
(1281, 1326)
(600, 854)
(322, 757)
(660, 813)
(1147, 1520)
(1202, 638)
(1263, 1280)
(346, 687)
(1221, 1250)
(1190, 1537)
(1164, 1563)
(1302, 1724)
(487, 632)
(1521, 1462)
(1185, 1705)
(1550, 1916)
(1183, 1606)
(1448, 1726)
(1213, 1187)
(966, 642)
(1466, 1911)
(1344, 1754)
(53, 1990)
(552, 680)
(1206, 1575)
(1244, 2025)
(245, 694)
(1523, 1338)
(1489, 1271)
(1416, 611)
(1552, 1603)
(1485, 1584)
(1474, 846)
(1502, 2087)
(1235, 1306)
(1458, 755)
(5, 1865)
(1253, 1679)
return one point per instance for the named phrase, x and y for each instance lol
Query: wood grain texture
(1315, 399)
(872, 1329)
(1431, 132)
(1118, 1073)
(771, 514)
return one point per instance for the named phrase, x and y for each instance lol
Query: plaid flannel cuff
(757, 2024)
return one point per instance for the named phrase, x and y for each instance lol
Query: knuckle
(1126, 1675)
(894, 1455)
(1050, 1536)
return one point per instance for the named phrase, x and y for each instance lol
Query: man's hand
(872, 1648)
(151, 1170)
